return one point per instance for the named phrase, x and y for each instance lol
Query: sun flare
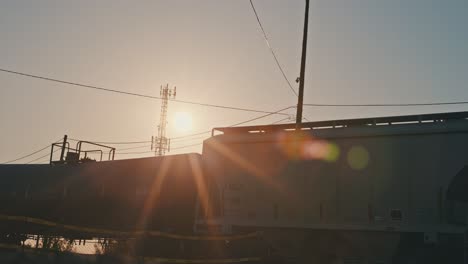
(183, 121)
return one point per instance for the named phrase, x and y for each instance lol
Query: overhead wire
(28, 155)
(147, 152)
(143, 141)
(268, 113)
(42, 157)
(146, 146)
(260, 117)
(133, 152)
(130, 93)
(189, 139)
(115, 142)
(197, 144)
(243, 122)
(240, 123)
(307, 104)
(271, 49)
(192, 135)
(286, 108)
(281, 120)
(176, 139)
(389, 105)
(188, 146)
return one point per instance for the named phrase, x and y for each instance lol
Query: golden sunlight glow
(250, 167)
(150, 205)
(183, 121)
(202, 189)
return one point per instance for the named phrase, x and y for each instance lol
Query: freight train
(369, 190)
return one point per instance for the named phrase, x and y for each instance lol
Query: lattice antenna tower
(161, 143)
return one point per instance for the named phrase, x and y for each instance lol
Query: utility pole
(161, 143)
(62, 153)
(300, 100)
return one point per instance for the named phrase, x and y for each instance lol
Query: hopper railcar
(374, 190)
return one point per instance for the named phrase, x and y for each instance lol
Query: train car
(146, 206)
(158, 193)
(373, 190)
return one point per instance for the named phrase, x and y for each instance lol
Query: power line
(146, 146)
(240, 123)
(41, 157)
(263, 116)
(389, 105)
(192, 135)
(133, 152)
(189, 139)
(139, 142)
(188, 146)
(260, 117)
(147, 152)
(132, 94)
(281, 120)
(29, 155)
(115, 143)
(288, 118)
(26, 156)
(182, 138)
(271, 49)
(222, 106)
(143, 141)
(178, 139)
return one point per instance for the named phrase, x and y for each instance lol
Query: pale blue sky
(360, 51)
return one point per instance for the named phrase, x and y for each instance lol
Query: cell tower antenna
(161, 143)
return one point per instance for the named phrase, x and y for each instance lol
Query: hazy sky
(360, 51)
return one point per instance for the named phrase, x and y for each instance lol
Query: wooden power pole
(300, 100)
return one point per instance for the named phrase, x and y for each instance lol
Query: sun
(183, 121)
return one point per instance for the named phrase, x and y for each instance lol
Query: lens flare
(300, 146)
(358, 158)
